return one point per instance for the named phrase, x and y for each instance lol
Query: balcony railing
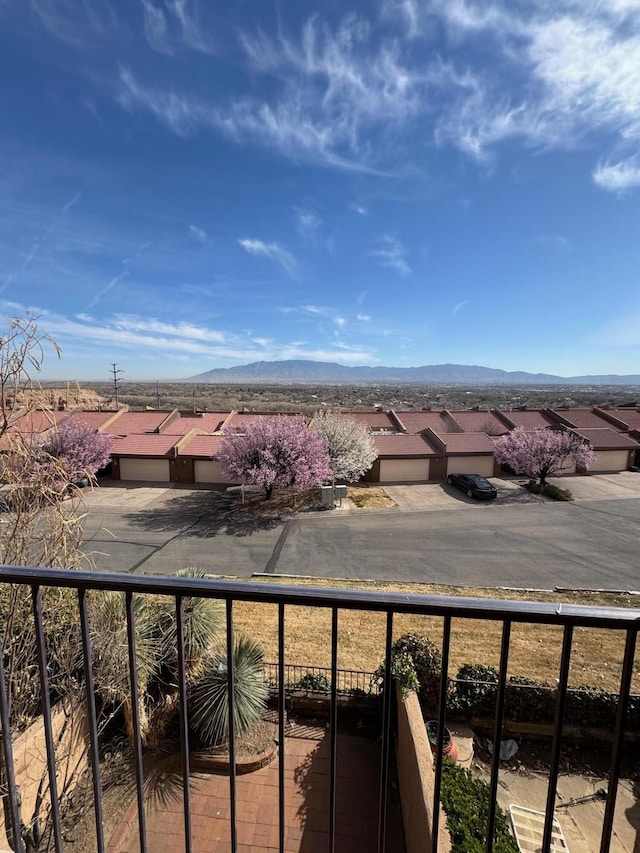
(505, 613)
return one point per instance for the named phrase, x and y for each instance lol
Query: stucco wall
(70, 734)
(416, 779)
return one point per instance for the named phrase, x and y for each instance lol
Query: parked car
(474, 485)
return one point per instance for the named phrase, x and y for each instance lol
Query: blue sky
(187, 185)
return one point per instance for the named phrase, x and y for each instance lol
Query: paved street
(541, 544)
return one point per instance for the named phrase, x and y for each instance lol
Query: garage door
(611, 460)
(403, 470)
(482, 465)
(207, 471)
(151, 470)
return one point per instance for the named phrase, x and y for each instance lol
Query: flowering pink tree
(276, 452)
(80, 450)
(541, 453)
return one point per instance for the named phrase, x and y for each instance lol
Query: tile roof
(403, 445)
(146, 444)
(94, 419)
(201, 445)
(241, 419)
(631, 417)
(37, 420)
(607, 439)
(467, 442)
(480, 422)
(376, 421)
(136, 422)
(586, 419)
(529, 419)
(415, 422)
(209, 422)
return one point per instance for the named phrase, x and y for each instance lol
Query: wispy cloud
(171, 24)
(460, 306)
(391, 253)
(109, 286)
(359, 208)
(618, 177)
(199, 233)
(273, 251)
(73, 200)
(307, 222)
(364, 318)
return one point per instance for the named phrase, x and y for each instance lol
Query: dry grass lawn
(368, 497)
(534, 652)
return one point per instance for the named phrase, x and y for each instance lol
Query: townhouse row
(412, 446)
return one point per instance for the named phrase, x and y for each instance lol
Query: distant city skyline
(189, 185)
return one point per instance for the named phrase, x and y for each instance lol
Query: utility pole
(116, 379)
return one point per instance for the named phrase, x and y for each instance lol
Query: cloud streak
(392, 254)
(273, 251)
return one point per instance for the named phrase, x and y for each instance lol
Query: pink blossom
(541, 453)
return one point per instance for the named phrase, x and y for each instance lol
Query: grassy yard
(535, 650)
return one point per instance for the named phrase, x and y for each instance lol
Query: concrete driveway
(601, 487)
(419, 497)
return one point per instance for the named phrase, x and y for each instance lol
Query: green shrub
(427, 664)
(314, 682)
(402, 670)
(475, 689)
(465, 801)
(549, 491)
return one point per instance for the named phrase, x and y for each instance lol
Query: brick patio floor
(307, 804)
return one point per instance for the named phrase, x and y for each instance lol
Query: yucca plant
(203, 619)
(210, 695)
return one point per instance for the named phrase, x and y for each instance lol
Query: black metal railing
(317, 679)
(506, 613)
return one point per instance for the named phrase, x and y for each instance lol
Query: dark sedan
(474, 485)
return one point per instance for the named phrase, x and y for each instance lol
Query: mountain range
(303, 372)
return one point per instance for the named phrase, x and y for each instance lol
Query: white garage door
(568, 468)
(152, 470)
(208, 471)
(611, 460)
(403, 470)
(482, 465)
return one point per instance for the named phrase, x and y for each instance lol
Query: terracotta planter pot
(449, 747)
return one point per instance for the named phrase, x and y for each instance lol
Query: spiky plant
(210, 694)
(203, 619)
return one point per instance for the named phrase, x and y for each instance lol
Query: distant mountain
(303, 372)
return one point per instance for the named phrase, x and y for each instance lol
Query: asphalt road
(593, 544)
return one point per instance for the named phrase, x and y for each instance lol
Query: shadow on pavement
(211, 513)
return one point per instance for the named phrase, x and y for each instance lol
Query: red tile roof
(415, 422)
(529, 419)
(38, 420)
(94, 419)
(376, 421)
(467, 442)
(136, 422)
(202, 445)
(147, 444)
(631, 417)
(403, 445)
(586, 419)
(480, 422)
(239, 420)
(607, 439)
(209, 422)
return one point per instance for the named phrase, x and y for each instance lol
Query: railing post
(281, 729)
(93, 722)
(184, 723)
(334, 729)
(442, 712)
(497, 735)
(561, 702)
(13, 826)
(618, 739)
(232, 726)
(386, 735)
(135, 719)
(36, 599)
